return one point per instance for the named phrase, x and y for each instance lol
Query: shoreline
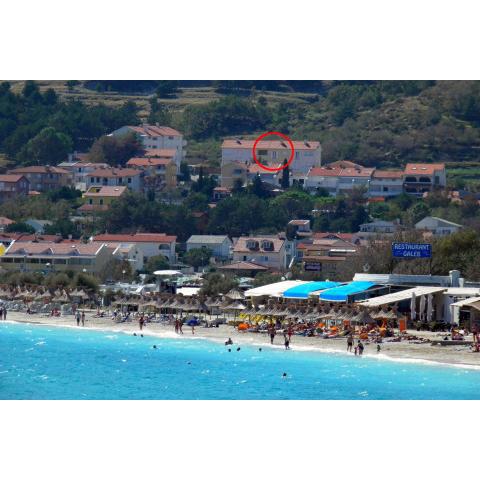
(401, 352)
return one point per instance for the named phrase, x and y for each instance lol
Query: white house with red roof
(271, 153)
(386, 183)
(116, 177)
(424, 177)
(338, 179)
(268, 251)
(149, 244)
(157, 137)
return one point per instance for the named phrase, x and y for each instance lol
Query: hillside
(384, 123)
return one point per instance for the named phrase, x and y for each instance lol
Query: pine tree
(285, 181)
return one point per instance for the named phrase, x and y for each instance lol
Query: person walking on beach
(180, 326)
(349, 343)
(290, 331)
(141, 321)
(177, 325)
(4, 312)
(83, 319)
(193, 328)
(272, 334)
(286, 341)
(360, 348)
(77, 315)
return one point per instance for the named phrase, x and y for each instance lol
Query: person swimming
(154, 346)
(229, 349)
(284, 374)
(238, 349)
(260, 349)
(141, 335)
(134, 334)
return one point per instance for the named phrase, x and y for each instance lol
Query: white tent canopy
(399, 296)
(466, 301)
(273, 289)
(188, 291)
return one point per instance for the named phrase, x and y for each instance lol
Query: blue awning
(340, 294)
(302, 291)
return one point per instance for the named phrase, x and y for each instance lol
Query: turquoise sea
(42, 362)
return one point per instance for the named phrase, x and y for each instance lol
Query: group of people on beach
(287, 335)
(80, 317)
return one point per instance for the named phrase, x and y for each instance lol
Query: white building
(338, 179)
(386, 183)
(268, 251)
(159, 138)
(148, 244)
(116, 177)
(424, 177)
(438, 226)
(219, 244)
(378, 227)
(272, 154)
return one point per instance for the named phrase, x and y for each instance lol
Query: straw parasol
(235, 294)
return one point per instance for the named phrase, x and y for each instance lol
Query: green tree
(19, 227)
(285, 182)
(115, 150)
(158, 262)
(166, 88)
(198, 257)
(48, 147)
(216, 284)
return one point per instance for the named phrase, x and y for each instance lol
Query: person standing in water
(83, 319)
(272, 334)
(349, 343)
(360, 348)
(287, 341)
(77, 315)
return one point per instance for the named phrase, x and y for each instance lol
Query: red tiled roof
(423, 168)
(105, 191)
(155, 131)
(340, 172)
(135, 237)
(343, 164)
(342, 236)
(11, 178)
(387, 174)
(147, 162)
(30, 237)
(243, 266)
(114, 172)
(86, 207)
(160, 152)
(39, 169)
(241, 245)
(270, 144)
(254, 168)
(5, 221)
(53, 248)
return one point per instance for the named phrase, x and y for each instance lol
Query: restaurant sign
(411, 250)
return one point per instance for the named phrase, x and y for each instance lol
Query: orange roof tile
(11, 178)
(114, 172)
(135, 237)
(423, 168)
(340, 172)
(148, 162)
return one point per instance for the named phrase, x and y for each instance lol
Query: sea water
(44, 362)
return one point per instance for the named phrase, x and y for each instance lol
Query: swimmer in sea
(229, 341)
(238, 349)
(284, 374)
(154, 346)
(260, 349)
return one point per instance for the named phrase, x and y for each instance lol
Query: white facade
(385, 186)
(438, 226)
(121, 177)
(158, 137)
(219, 244)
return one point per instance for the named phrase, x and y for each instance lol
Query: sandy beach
(400, 351)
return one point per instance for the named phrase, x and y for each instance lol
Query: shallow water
(42, 362)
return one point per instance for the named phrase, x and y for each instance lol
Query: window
(262, 152)
(101, 201)
(244, 258)
(129, 180)
(385, 189)
(274, 154)
(90, 201)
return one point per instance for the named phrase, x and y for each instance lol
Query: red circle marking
(260, 164)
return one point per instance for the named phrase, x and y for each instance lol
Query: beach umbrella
(193, 322)
(429, 307)
(243, 326)
(235, 294)
(413, 307)
(422, 308)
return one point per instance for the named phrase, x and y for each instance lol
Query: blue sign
(412, 250)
